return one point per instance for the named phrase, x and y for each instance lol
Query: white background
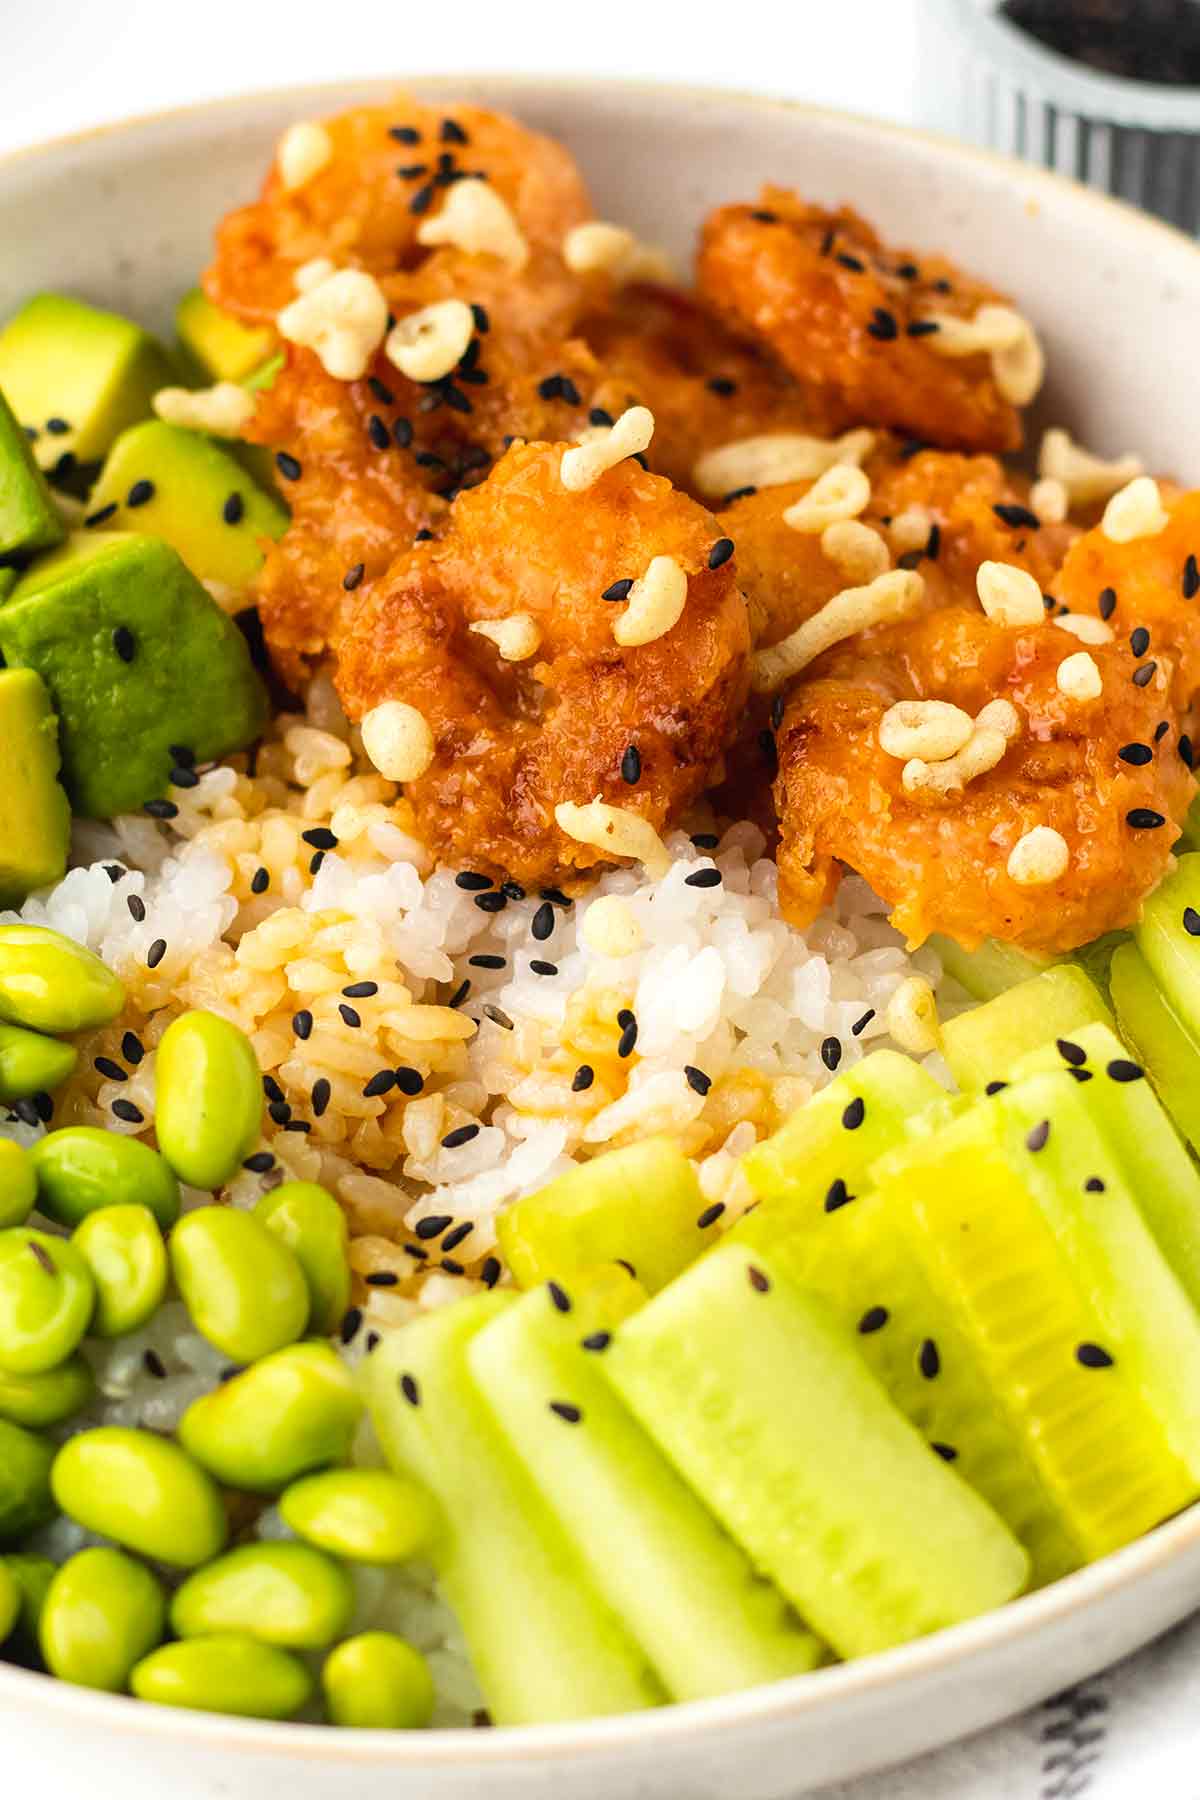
(70, 63)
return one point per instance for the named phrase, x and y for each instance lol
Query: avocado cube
(181, 486)
(215, 344)
(77, 376)
(137, 658)
(29, 519)
(35, 820)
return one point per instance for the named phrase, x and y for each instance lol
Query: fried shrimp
(579, 717)
(890, 337)
(388, 171)
(1084, 764)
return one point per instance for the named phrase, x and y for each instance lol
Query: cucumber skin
(991, 969)
(982, 1045)
(1160, 1040)
(543, 1645)
(1170, 952)
(764, 1405)
(683, 1588)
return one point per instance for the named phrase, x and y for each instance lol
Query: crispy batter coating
(941, 862)
(513, 739)
(364, 208)
(664, 349)
(835, 304)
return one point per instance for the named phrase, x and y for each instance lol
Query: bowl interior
(124, 216)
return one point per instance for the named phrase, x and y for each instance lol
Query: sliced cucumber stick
(1159, 1039)
(982, 1045)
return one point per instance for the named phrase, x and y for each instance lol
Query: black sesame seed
(280, 1112)
(618, 591)
(1145, 675)
(381, 1083)
(566, 1410)
(706, 840)
(631, 765)
(1019, 517)
(404, 134)
(1191, 579)
(381, 392)
(382, 1278)
(320, 837)
(1191, 921)
(234, 509)
(860, 1024)
(1038, 1136)
(758, 1281)
(321, 1093)
(1107, 603)
(114, 871)
(260, 1162)
(1121, 1069)
(489, 1274)
(538, 967)
(154, 1365)
(543, 922)
(131, 1048)
(411, 172)
(696, 1079)
(1144, 818)
(599, 416)
(928, 1360)
(460, 993)
(486, 962)
(156, 952)
(721, 384)
(1136, 755)
(831, 1052)
(125, 1109)
(497, 1015)
(57, 427)
(402, 432)
(855, 1113)
(1187, 754)
(1093, 1185)
(582, 1078)
(742, 493)
(137, 907)
(184, 778)
(561, 1300)
(710, 1215)
(874, 1319)
(1139, 640)
(883, 325)
(1080, 1075)
(111, 1069)
(471, 880)
(1093, 1356)
(433, 1226)
(409, 1081)
(260, 881)
(288, 466)
(350, 1017)
(302, 1023)
(480, 315)
(918, 328)
(1071, 1053)
(454, 1140)
(947, 1452)
(140, 494)
(703, 878)
(852, 263)
(629, 1032)
(297, 1125)
(161, 809)
(491, 903)
(837, 1195)
(454, 1238)
(421, 199)
(453, 133)
(361, 990)
(124, 643)
(378, 433)
(764, 217)
(27, 1112)
(596, 1340)
(410, 1390)
(513, 889)
(720, 553)
(101, 515)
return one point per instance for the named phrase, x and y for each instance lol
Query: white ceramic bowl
(123, 216)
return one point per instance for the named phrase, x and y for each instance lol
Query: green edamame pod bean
(367, 1515)
(142, 1491)
(377, 1682)
(46, 1300)
(51, 983)
(290, 1413)
(243, 1287)
(25, 1497)
(103, 1613)
(33, 1575)
(313, 1226)
(18, 1188)
(228, 1673)
(208, 1098)
(48, 1398)
(10, 1603)
(123, 1247)
(31, 1063)
(82, 1168)
(284, 1594)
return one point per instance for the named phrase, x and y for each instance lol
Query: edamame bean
(25, 1497)
(142, 1491)
(31, 1063)
(33, 1575)
(368, 1515)
(18, 1188)
(46, 1300)
(291, 1413)
(10, 1603)
(51, 983)
(81, 1168)
(228, 1673)
(313, 1226)
(377, 1682)
(284, 1594)
(123, 1247)
(208, 1098)
(103, 1613)
(48, 1398)
(243, 1287)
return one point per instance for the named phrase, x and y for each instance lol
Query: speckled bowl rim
(911, 1665)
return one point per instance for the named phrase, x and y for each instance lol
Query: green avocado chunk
(35, 820)
(77, 376)
(179, 485)
(29, 519)
(137, 658)
(215, 345)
